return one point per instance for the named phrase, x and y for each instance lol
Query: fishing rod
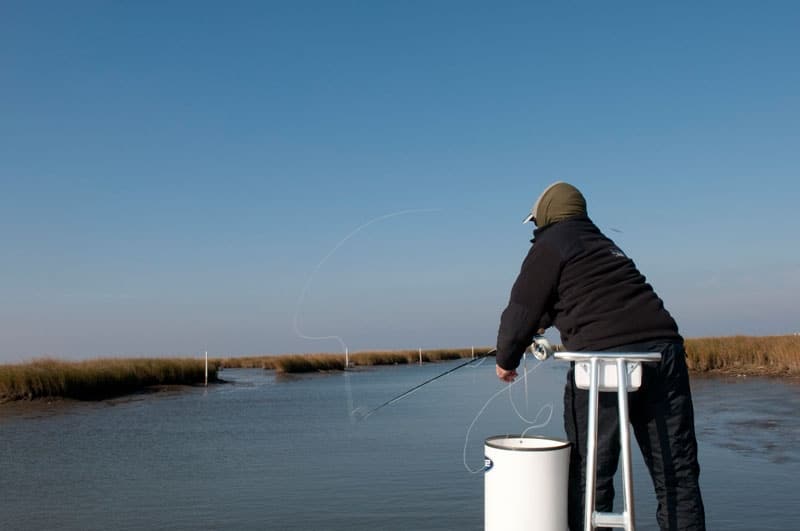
(426, 382)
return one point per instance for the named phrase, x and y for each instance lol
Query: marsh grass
(767, 355)
(753, 355)
(246, 362)
(106, 378)
(97, 379)
(298, 363)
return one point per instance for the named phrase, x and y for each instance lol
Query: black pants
(662, 417)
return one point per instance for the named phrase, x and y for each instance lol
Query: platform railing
(625, 363)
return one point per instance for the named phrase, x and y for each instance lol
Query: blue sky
(172, 174)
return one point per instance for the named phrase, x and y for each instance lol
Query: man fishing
(578, 280)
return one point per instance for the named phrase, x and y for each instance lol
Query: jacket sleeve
(530, 305)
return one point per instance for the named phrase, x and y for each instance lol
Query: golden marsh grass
(109, 377)
(297, 363)
(754, 355)
(97, 379)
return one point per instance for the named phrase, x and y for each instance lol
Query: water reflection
(751, 416)
(267, 452)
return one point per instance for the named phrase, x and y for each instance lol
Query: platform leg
(625, 443)
(591, 447)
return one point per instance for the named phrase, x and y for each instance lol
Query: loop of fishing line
(304, 291)
(533, 424)
(352, 413)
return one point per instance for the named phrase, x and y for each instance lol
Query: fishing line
(483, 359)
(533, 424)
(546, 407)
(524, 375)
(353, 413)
(349, 392)
(304, 291)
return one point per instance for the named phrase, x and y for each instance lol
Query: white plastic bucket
(525, 483)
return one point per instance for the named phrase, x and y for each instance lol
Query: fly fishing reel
(541, 348)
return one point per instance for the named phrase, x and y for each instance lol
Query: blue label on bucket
(487, 464)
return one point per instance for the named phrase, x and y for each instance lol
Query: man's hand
(506, 376)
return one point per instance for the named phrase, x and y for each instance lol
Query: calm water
(267, 453)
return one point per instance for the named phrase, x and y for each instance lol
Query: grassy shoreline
(745, 355)
(318, 362)
(740, 355)
(99, 379)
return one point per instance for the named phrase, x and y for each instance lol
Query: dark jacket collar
(541, 230)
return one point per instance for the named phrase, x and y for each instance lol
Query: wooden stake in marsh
(206, 381)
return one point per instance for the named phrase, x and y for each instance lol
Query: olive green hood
(558, 202)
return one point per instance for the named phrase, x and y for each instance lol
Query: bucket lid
(525, 444)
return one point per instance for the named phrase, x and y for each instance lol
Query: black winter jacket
(579, 281)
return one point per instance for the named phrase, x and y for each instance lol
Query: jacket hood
(558, 202)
